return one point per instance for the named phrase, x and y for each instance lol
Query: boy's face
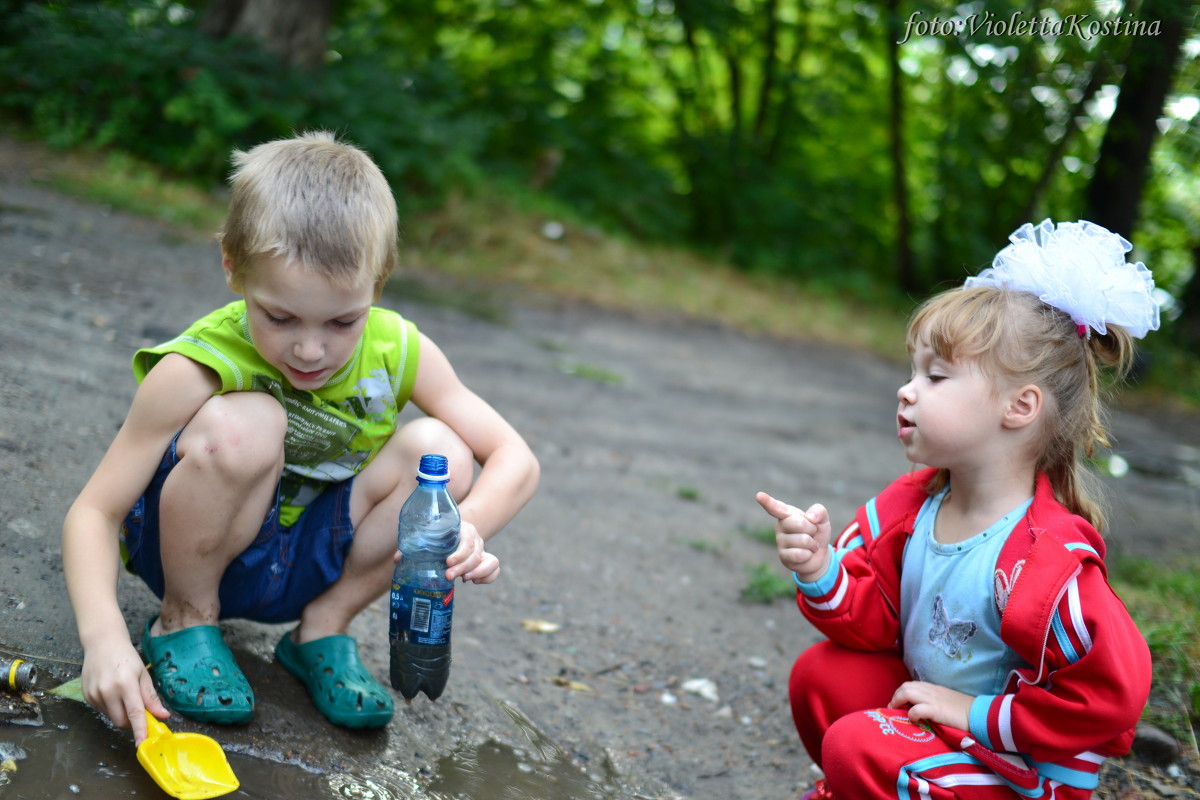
(300, 322)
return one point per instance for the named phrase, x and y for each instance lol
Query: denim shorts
(283, 570)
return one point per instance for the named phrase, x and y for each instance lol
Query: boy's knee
(238, 434)
(429, 435)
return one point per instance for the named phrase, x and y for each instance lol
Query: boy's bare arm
(510, 471)
(114, 679)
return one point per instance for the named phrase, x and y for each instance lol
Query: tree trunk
(787, 103)
(1115, 192)
(905, 268)
(294, 30)
(769, 69)
(1187, 325)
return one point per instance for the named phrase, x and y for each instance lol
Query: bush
(417, 125)
(130, 77)
(125, 77)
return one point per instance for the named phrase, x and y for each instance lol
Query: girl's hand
(928, 702)
(802, 537)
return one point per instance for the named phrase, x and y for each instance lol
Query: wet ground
(653, 436)
(73, 753)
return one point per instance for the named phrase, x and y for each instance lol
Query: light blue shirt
(948, 608)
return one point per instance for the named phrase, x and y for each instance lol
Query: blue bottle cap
(434, 468)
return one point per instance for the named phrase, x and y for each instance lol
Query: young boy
(259, 472)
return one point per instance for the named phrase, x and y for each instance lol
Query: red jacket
(1090, 667)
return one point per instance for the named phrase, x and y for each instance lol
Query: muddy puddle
(73, 753)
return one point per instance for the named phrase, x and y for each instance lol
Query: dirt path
(653, 437)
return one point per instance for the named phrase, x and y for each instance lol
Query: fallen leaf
(540, 625)
(72, 690)
(574, 686)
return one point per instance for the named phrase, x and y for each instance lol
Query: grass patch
(478, 304)
(591, 373)
(765, 585)
(123, 182)
(1174, 376)
(689, 493)
(1165, 603)
(492, 239)
(761, 533)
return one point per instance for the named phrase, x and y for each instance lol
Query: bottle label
(423, 616)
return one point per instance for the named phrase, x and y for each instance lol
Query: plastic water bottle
(422, 600)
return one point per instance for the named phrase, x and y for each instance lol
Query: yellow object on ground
(189, 766)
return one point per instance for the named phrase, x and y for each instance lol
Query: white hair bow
(1079, 268)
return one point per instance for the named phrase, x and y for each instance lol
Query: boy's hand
(470, 561)
(802, 537)
(116, 683)
(928, 702)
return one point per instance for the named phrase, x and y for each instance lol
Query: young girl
(975, 648)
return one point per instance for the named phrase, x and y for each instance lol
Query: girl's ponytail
(1075, 485)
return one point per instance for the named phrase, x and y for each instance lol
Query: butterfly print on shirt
(949, 634)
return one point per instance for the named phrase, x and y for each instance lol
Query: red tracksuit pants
(839, 704)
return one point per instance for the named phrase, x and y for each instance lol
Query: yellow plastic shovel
(189, 766)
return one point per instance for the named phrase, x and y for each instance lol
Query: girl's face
(302, 324)
(950, 413)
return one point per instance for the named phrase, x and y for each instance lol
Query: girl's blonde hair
(314, 201)
(1018, 339)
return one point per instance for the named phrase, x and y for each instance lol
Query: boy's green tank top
(333, 432)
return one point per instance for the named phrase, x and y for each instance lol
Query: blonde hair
(1018, 339)
(313, 201)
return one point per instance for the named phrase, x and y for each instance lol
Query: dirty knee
(239, 435)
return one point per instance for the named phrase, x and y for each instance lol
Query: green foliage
(758, 131)
(416, 125)
(121, 181)
(591, 373)
(111, 76)
(766, 585)
(140, 77)
(1174, 372)
(1165, 603)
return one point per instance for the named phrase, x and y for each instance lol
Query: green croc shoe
(337, 681)
(195, 674)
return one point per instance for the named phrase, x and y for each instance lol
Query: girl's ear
(1024, 405)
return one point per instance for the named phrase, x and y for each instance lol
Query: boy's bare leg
(378, 494)
(215, 499)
